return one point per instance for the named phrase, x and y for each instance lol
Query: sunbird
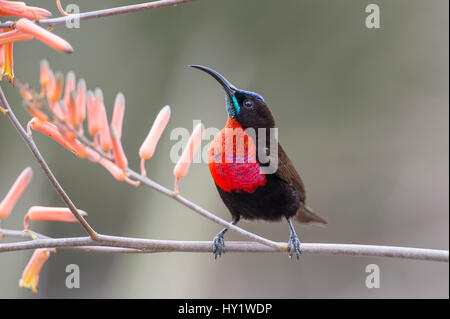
(236, 166)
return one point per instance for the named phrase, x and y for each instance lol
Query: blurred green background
(363, 114)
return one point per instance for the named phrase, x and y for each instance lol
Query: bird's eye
(248, 104)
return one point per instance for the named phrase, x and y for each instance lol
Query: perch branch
(138, 245)
(203, 212)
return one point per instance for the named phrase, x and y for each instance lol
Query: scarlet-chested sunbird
(236, 164)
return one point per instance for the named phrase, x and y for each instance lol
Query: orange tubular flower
(52, 131)
(61, 135)
(119, 155)
(115, 170)
(17, 189)
(7, 61)
(184, 162)
(92, 155)
(68, 134)
(35, 112)
(118, 114)
(80, 150)
(24, 30)
(57, 110)
(149, 145)
(30, 276)
(52, 40)
(104, 133)
(70, 86)
(20, 9)
(26, 93)
(48, 88)
(55, 87)
(44, 74)
(92, 114)
(80, 103)
(69, 100)
(42, 213)
(72, 110)
(14, 36)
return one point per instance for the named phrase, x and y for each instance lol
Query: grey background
(362, 113)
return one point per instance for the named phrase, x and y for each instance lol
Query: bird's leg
(294, 242)
(219, 242)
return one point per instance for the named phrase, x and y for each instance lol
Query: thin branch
(152, 245)
(104, 12)
(23, 234)
(40, 159)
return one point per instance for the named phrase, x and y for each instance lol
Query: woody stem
(103, 13)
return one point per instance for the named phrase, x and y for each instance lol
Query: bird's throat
(232, 160)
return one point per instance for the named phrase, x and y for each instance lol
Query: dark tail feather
(306, 215)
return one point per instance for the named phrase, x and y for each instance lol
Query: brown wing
(287, 172)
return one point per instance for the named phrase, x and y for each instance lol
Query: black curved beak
(228, 87)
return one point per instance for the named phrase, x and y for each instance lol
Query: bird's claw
(294, 246)
(218, 246)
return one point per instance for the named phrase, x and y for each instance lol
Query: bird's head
(248, 108)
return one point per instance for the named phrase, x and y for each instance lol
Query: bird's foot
(294, 246)
(218, 245)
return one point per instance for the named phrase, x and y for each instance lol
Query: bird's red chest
(232, 160)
